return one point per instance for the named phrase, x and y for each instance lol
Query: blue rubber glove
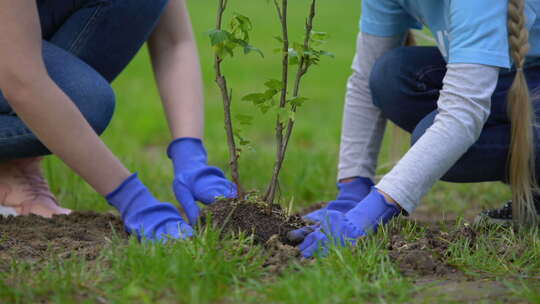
(194, 179)
(349, 194)
(144, 215)
(346, 228)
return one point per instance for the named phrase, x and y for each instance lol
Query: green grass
(209, 270)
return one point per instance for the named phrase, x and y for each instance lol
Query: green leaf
(319, 36)
(244, 119)
(328, 54)
(241, 25)
(270, 93)
(297, 101)
(218, 36)
(256, 98)
(294, 61)
(279, 39)
(274, 84)
(250, 48)
(241, 140)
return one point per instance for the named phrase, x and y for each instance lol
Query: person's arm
(363, 125)
(176, 65)
(43, 106)
(463, 108)
(177, 69)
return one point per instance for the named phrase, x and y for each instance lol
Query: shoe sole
(7, 211)
(480, 219)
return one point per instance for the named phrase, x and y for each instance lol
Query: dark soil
(427, 256)
(33, 238)
(253, 217)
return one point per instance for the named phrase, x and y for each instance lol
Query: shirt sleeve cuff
(387, 29)
(476, 56)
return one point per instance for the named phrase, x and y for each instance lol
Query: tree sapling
(250, 212)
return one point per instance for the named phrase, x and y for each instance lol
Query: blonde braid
(521, 154)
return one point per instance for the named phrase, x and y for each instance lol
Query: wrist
(376, 207)
(354, 189)
(130, 194)
(186, 151)
(388, 198)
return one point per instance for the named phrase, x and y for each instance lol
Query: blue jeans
(405, 85)
(86, 44)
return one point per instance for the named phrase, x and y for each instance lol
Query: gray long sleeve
(363, 126)
(463, 108)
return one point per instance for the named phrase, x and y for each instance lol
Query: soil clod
(280, 255)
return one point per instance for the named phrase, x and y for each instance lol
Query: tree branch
(221, 81)
(282, 14)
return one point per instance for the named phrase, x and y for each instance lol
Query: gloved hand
(349, 195)
(144, 215)
(346, 228)
(194, 179)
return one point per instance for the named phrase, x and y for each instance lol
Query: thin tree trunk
(221, 81)
(303, 67)
(282, 14)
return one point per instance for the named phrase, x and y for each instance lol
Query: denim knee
(94, 97)
(104, 102)
(384, 80)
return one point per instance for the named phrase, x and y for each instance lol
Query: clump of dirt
(253, 217)
(32, 238)
(279, 255)
(428, 255)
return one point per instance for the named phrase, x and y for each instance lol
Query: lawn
(490, 264)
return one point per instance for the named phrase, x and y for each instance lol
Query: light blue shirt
(467, 31)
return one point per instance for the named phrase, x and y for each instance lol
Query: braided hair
(521, 152)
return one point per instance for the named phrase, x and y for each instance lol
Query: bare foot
(24, 190)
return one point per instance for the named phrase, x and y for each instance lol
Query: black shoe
(500, 216)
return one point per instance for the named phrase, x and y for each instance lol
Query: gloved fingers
(315, 216)
(319, 247)
(299, 235)
(158, 222)
(186, 199)
(174, 230)
(341, 205)
(310, 239)
(331, 222)
(314, 242)
(208, 187)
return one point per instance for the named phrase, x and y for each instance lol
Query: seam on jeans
(422, 73)
(75, 46)
(13, 134)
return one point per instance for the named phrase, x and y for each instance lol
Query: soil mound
(253, 217)
(33, 238)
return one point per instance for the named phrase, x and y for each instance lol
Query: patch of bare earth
(33, 238)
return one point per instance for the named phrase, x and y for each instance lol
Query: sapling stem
(282, 15)
(226, 95)
(304, 64)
